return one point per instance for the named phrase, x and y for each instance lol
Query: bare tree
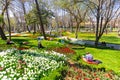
(103, 11)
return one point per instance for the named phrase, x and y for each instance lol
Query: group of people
(89, 58)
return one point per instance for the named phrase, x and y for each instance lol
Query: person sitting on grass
(89, 58)
(9, 42)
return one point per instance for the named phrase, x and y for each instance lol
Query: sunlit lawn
(110, 37)
(110, 58)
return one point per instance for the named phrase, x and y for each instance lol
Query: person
(9, 42)
(88, 57)
(39, 42)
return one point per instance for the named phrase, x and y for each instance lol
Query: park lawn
(2, 41)
(110, 37)
(3, 45)
(32, 42)
(110, 58)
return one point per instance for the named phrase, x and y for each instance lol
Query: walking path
(90, 42)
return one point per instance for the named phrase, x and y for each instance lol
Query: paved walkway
(110, 45)
(90, 42)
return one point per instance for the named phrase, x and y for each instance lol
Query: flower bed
(64, 50)
(75, 73)
(29, 65)
(22, 48)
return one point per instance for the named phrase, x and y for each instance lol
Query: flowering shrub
(29, 65)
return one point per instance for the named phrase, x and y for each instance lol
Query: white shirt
(89, 57)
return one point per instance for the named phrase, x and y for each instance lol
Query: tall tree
(77, 10)
(9, 30)
(40, 19)
(1, 30)
(5, 6)
(24, 10)
(33, 18)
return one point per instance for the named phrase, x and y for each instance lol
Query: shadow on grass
(24, 39)
(20, 40)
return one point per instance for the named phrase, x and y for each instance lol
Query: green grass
(110, 58)
(110, 37)
(3, 45)
(2, 41)
(32, 42)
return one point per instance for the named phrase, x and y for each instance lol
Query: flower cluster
(6, 52)
(75, 73)
(64, 50)
(25, 65)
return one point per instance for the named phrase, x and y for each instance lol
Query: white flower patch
(36, 63)
(6, 52)
(3, 53)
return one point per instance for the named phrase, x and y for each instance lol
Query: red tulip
(87, 79)
(84, 74)
(97, 78)
(77, 77)
(19, 61)
(108, 75)
(94, 74)
(80, 71)
(1, 68)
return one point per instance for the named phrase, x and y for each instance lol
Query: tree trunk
(9, 29)
(40, 19)
(56, 19)
(76, 32)
(1, 28)
(71, 23)
(97, 29)
(34, 26)
(28, 29)
(96, 41)
(2, 34)
(24, 17)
